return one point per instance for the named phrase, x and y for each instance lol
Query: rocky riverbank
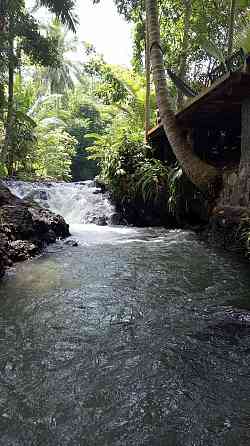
(25, 228)
(229, 228)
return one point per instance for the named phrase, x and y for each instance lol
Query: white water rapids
(88, 211)
(78, 203)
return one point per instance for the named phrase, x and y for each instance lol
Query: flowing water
(134, 337)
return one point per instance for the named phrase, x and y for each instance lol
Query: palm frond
(63, 9)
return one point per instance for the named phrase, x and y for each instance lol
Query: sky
(101, 25)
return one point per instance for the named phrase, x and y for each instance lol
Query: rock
(18, 220)
(4, 258)
(72, 243)
(229, 228)
(37, 194)
(6, 197)
(100, 185)
(44, 220)
(22, 250)
(43, 195)
(25, 228)
(99, 220)
(117, 220)
(49, 237)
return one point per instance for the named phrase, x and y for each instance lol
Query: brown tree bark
(2, 102)
(184, 51)
(7, 154)
(200, 173)
(231, 27)
(147, 72)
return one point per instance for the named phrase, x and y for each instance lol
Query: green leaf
(25, 118)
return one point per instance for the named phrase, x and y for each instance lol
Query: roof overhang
(217, 106)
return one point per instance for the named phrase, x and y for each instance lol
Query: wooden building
(216, 120)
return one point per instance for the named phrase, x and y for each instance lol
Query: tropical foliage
(65, 120)
(128, 168)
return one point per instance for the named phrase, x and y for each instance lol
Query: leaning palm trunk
(231, 27)
(7, 153)
(2, 102)
(185, 43)
(147, 69)
(200, 173)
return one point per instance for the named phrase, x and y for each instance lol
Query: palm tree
(147, 72)
(60, 78)
(183, 63)
(200, 173)
(63, 9)
(9, 13)
(231, 27)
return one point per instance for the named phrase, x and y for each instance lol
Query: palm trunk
(200, 173)
(2, 102)
(231, 27)
(147, 69)
(8, 149)
(183, 57)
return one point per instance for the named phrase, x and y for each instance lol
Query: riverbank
(229, 228)
(224, 227)
(25, 228)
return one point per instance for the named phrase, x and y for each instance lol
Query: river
(135, 337)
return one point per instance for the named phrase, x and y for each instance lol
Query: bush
(127, 167)
(3, 170)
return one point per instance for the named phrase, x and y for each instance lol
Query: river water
(134, 337)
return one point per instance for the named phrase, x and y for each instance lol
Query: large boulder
(44, 220)
(25, 228)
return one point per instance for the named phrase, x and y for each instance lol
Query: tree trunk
(147, 69)
(231, 28)
(2, 102)
(184, 51)
(8, 149)
(200, 173)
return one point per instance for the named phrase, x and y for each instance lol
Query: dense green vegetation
(63, 119)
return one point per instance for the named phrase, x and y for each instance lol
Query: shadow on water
(128, 339)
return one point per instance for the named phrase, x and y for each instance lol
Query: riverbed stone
(100, 220)
(71, 243)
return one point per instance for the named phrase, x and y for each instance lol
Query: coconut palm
(147, 73)
(63, 9)
(200, 173)
(58, 79)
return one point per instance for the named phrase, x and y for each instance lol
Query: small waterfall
(78, 203)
